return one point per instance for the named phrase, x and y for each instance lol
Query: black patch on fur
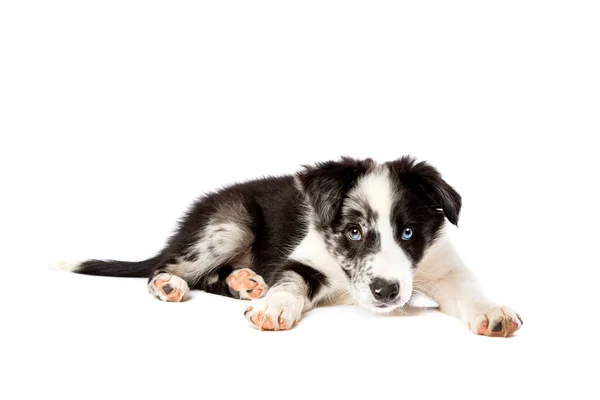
(326, 185)
(426, 182)
(208, 284)
(356, 250)
(315, 280)
(422, 191)
(136, 269)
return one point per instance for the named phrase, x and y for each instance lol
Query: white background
(115, 115)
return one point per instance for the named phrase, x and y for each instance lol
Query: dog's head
(378, 220)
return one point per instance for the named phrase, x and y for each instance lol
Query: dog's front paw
(495, 321)
(275, 312)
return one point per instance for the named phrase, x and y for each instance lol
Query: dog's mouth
(386, 307)
(377, 306)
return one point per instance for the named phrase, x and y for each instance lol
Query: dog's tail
(135, 269)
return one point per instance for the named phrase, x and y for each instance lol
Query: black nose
(384, 290)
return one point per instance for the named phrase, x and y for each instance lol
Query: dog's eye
(354, 233)
(407, 234)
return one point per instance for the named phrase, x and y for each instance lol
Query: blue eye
(407, 234)
(354, 234)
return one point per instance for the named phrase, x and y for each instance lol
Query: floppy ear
(449, 199)
(326, 184)
(425, 179)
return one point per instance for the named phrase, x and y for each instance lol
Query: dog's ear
(425, 179)
(326, 184)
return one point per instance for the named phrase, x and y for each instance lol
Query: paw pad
(168, 287)
(496, 322)
(245, 284)
(483, 328)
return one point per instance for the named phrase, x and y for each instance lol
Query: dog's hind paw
(168, 287)
(245, 284)
(495, 321)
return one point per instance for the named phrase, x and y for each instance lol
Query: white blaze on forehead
(390, 262)
(376, 188)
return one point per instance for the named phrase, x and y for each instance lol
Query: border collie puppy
(350, 228)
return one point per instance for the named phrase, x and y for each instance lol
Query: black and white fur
(297, 233)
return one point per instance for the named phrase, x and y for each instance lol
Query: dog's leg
(443, 276)
(221, 244)
(295, 291)
(282, 306)
(243, 284)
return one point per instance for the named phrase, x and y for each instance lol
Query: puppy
(347, 228)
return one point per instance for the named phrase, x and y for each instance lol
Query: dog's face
(378, 221)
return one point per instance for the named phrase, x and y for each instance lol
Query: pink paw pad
(245, 284)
